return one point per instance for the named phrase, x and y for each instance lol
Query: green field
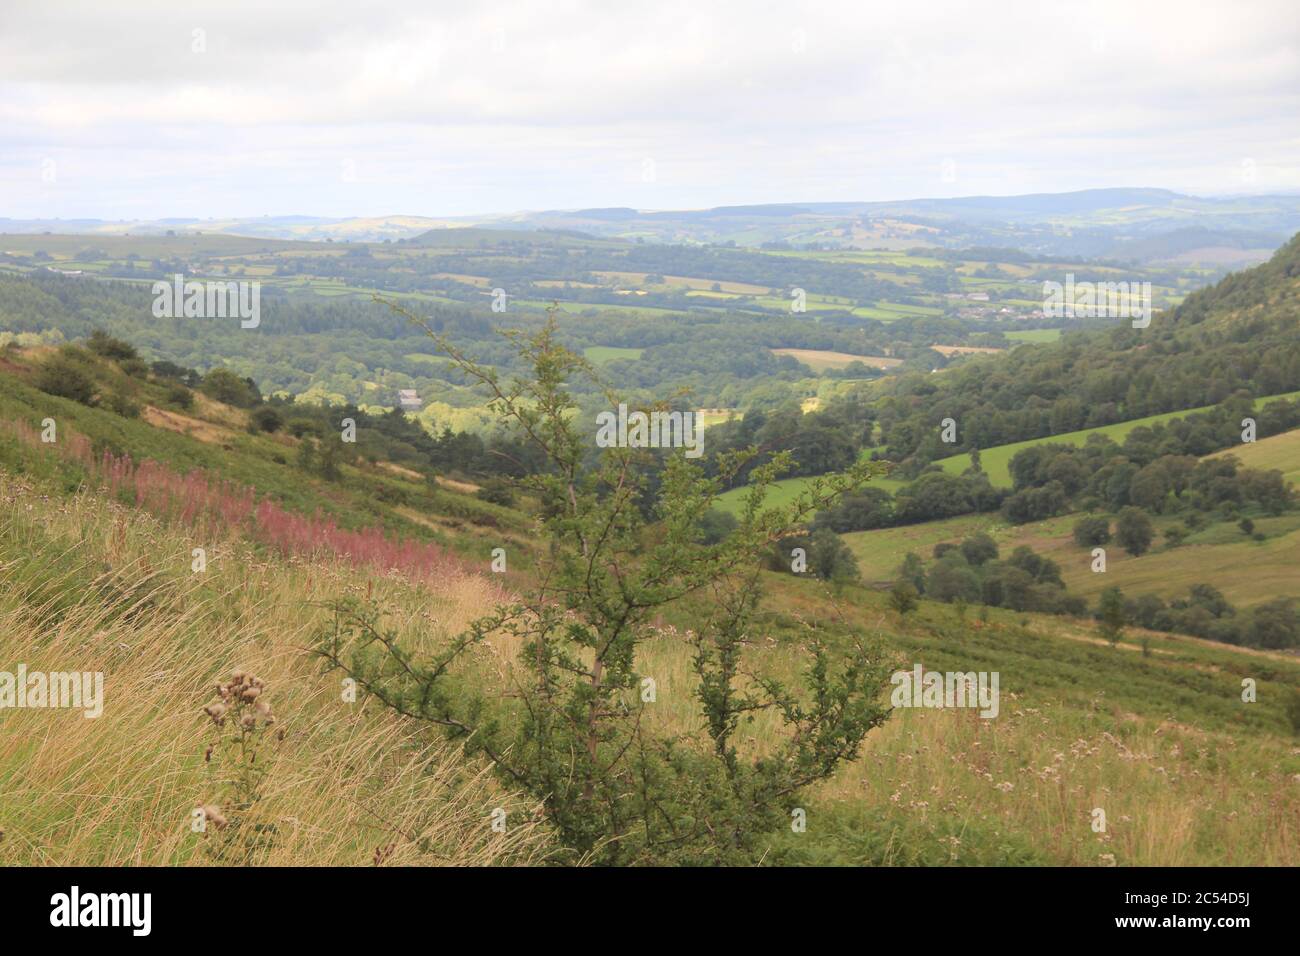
(599, 354)
(1034, 335)
(1246, 571)
(996, 461)
(1280, 451)
(785, 491)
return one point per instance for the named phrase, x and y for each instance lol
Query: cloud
(239, 108)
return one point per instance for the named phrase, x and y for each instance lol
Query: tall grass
(87, 584)
(196, 500)
(1185, 771)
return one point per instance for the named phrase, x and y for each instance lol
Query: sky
(143, 110)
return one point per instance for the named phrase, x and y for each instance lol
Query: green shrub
(62, 375)
(266, 419)
(1092, 531)
(179, 396)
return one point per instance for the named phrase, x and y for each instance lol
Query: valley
(195, 511)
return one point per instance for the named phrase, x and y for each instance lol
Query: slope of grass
(1163, 743)
(599, 354)
(786, 490)
(364, 496)
(86, 585)
(1281, 452)
(1186, 772)
(996, 461)
(1033, 335)
(1246, 571)
(819, 360)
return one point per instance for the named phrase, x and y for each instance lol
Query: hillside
(1274, 452)
(96, 563)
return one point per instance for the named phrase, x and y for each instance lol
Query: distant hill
(1138, 224)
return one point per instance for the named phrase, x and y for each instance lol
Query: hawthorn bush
(573, 726)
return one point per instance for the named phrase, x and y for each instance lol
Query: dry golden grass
(820, 359)
(197, 428)
(88, 586)
(1172, 795)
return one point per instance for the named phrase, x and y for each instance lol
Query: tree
(831, 559)
(498, 492)
(952, 580)
(567, 724)
(868, 509)
(105, 346)
(329, 457)
(1274, 624)
(61, 374)
(933, 496)
(979, 549)
(1092, 531)
(912, 570)
(1110, 612)
(1134, 531)
(902, 598)
(1293, 711)
(265, 419)
(716, 524)
(180, 396)
(224, 385)
(1035, 504)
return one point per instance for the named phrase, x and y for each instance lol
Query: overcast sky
(152, 109)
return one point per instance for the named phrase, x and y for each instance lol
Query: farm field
(784, 491)
(996, 461)
(819, 360)
(1277, 451)
(1034, 336)
(1246, 571)
(600, 354)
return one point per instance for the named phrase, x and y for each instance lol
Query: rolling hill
(98, 573)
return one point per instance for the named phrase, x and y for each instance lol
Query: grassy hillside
(87, 585)
(95, 579)
(1163, 743)
(214, 439)
(1281, 452)
(1246, 571)
(996, 461)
